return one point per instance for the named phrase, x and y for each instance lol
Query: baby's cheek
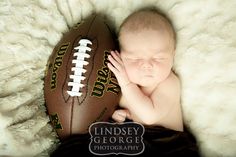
(164, 72)
(132, 74)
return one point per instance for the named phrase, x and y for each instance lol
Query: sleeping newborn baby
(143, 68)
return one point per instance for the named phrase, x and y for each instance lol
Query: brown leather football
(79, 88)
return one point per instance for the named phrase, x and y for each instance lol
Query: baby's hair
(147, 18)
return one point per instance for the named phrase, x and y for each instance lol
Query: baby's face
(147, 56)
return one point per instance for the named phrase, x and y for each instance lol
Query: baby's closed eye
(132, 59)
(159, 58)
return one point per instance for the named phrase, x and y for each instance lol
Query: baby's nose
(146, 64)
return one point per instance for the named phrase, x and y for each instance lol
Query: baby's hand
(117, 67)
(120, 115)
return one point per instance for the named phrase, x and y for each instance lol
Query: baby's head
(147, 45)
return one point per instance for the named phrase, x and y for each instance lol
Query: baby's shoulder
(170, 84)
(173, 79)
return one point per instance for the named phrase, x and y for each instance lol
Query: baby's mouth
(148, 75)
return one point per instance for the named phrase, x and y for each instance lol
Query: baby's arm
(141, 107)
(164, 108)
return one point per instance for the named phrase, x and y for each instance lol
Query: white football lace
(78, 69)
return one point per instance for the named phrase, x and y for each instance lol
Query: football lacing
(78, 69)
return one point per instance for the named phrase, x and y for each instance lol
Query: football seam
(72, 107)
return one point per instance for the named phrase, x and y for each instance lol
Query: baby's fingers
(116, 56)
(113, 69)
(119, 116)
(115, 63)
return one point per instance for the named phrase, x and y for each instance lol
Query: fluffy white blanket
(205, 61)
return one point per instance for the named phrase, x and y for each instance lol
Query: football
(79, 89)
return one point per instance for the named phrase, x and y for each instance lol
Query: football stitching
(94, 41)
(79, 62)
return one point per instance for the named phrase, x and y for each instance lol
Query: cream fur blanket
(205, 61)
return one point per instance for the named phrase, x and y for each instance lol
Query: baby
(143, 68)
